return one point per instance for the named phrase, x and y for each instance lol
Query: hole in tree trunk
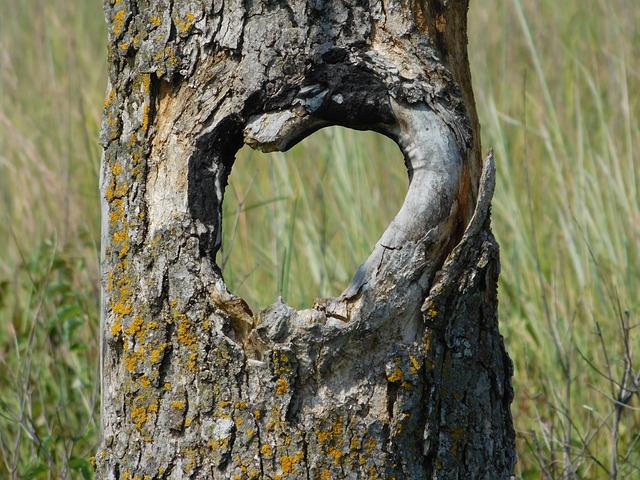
(299, 224)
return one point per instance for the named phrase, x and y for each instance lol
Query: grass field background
(557, 86)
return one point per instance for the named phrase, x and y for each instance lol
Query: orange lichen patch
(116, 210)
(141, 411)
(427, 339)
(146, 111)
(122, 308)
(192, 455)
(282, 364)
(191, 364)
(120, 237)
(178, 405)
(116, 328)
(431, 310)
(185, 330)
(287, 464)
(355, 444)
(156, 354)
(185, 25)
(282, 386)
(118, 21)
(335, 433)
(323, 437)
(137, 354)
(415, 364)
(241, 404)
(113, 217)
(124, 250)
(335, 453)
(370, 445)
(257, 414)
(218, 444)
(266, 450)
(396, 376)
(170, 55)
(110, 98)
(112, 122)
(325, 475)
(441, 23)
(337, 429)
(159, 55)
(146, 82)
(136, 326)
(132, 359)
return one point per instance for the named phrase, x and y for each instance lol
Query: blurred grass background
(558, 94)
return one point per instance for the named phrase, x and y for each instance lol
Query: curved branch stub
(412, 247)
(428, 215)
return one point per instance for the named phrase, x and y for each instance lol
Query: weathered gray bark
(402, 376)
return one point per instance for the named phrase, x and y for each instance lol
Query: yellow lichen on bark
(431, 310)
(185, 330)
(415, 365)
(287, 462)
(282, 386)
(118, 21)
(185, 25)
(396, 376)
(141, 410)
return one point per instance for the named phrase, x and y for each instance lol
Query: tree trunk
(405, 374)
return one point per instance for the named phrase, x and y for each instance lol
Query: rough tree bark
(405, 374)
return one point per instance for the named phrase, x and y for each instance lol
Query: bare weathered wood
(404, 375)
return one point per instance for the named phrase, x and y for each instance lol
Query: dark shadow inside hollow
(299, 224)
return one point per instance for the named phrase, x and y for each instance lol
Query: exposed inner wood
(429, 212)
